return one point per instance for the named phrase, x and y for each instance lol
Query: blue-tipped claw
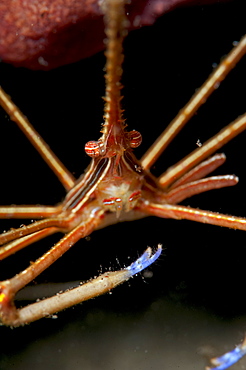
(229, 358)
(144, 261)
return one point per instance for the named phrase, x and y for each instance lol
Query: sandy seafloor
(166, 335)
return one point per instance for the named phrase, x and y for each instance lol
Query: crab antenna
(115, 22)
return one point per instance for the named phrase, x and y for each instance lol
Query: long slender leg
(21, 237)
(65, 177)
(192, 106)
(201, 170)
(182, 212)
(23, 242)
(215, 143)
(100, 285)
(60, 223)
(8, 288)
(200, 186)
(28, 211)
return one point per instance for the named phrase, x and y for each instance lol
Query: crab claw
(145, 260)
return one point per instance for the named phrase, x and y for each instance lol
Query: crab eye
(135, 138)
(92, 149)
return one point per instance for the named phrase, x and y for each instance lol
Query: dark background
(196, 296)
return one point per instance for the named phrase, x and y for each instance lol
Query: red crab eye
(135, 138)
(92, 149)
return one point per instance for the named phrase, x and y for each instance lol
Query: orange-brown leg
(8, 288)
(60, 223)
(175, 172)
(192, 106)
(28, 211)
(22, 242)
(201, 170)
(65, 177)
(60, 301)
(180, 212)
(200, 186)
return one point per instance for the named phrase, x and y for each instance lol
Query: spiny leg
(8, 288)
(65, 177)
(16, 239)
(28, 211)
(187, 213)
(192, 106)
(183, 180)
(175, 172)
(201, 170)
(200, 186)
(100, 285)
(22, 242)
(61, 223)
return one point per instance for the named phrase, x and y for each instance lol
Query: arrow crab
(116, 186)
